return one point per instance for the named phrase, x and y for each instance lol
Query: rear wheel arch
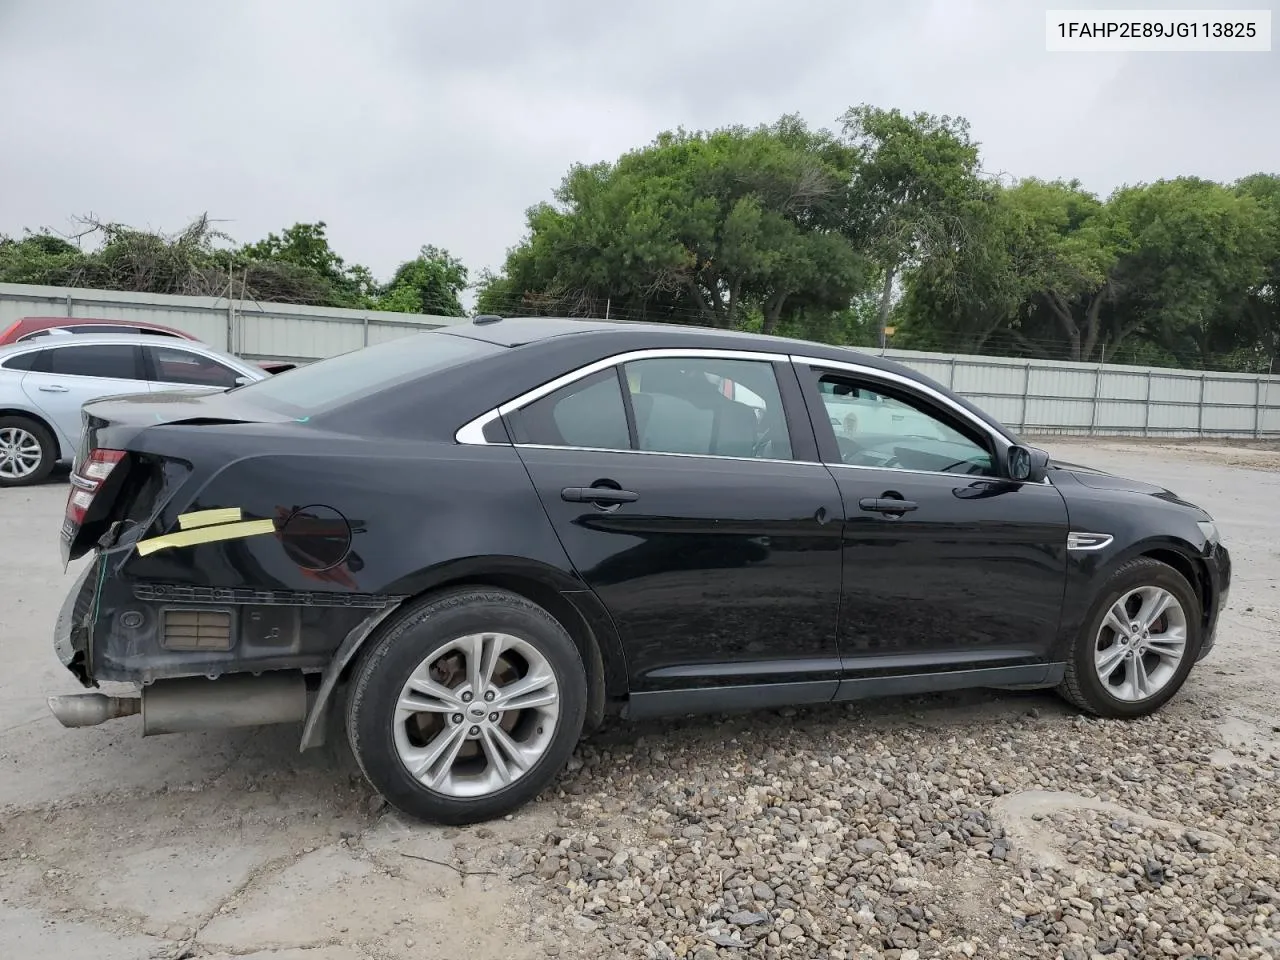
(425, 769)
(37, 449)
(583, 616)
(567, 614)
(37, 419)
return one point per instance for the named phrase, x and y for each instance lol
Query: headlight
(1209, 529)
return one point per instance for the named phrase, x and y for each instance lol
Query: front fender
(1087, 571)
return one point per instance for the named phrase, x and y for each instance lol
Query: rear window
(350, 376)
(23, 361)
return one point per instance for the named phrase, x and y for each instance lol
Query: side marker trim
(207, 534)
(1083, 542)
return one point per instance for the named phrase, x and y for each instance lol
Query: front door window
(876, 429)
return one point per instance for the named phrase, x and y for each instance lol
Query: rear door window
(113, 361)
(710, 407)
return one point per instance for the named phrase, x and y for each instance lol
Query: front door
(173, 367)
(947, 564)
(672, 485)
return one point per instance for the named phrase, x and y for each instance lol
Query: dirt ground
(233, 844)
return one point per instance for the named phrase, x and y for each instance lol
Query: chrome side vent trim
(1088, 541)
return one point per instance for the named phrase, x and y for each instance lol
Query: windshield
(328, 383)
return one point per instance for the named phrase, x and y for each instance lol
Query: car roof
(518, 331)
(92, 339)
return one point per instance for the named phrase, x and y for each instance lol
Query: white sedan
(45, 382)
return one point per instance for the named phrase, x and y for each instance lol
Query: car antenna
(486, 318)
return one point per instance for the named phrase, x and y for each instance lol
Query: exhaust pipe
(91, 709)
(195, 703)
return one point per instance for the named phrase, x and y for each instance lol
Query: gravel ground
(1041, 835)
(970, 825)
(928, 829)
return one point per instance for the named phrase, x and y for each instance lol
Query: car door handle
(597, 495)
(52, 388)
(887, 505)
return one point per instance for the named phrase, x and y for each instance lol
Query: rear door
(689, 498)
(67, 376)
(947, 563)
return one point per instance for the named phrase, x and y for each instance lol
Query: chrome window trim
(665, 453)
(472, 432)
(927, 473)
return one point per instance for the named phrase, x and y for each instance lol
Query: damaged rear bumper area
(204, 658)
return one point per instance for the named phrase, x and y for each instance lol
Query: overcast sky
(404, 122)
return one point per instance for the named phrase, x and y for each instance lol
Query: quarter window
(23, 361)
(876, 429)
(587, 413)
(708, 407)
(105, 361)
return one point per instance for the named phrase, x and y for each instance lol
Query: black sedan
(463, 548)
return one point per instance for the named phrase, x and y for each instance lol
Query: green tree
(700, 226)
(1192, 252)
(1050, 270)
(430, 283)
(39, 257)
(305, 248)
(915, 190)
(1033, 246)
(1251, 338)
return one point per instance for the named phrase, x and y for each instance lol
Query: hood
(1099, 480)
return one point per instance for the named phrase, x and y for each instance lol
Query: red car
(28, 328)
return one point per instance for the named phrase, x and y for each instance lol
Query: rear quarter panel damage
(417, 516)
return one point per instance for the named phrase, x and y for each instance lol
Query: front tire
(467, 707)
(27, 452)
(1138, 644)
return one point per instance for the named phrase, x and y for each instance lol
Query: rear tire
(1122, 667)
(436, 720)
(28, 452)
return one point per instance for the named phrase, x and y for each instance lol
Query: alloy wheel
(476, 714)
(20, 453)
(1141, 644)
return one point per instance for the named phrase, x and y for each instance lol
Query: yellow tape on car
(207, 518)
(207, 534)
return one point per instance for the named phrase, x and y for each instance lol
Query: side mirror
(1027, 464)
(244, 381)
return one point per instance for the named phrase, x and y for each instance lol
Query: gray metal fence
(258, 331)
(1060, 397)
(1032, 396)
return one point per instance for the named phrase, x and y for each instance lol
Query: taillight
(8, 331)
(87, 480)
